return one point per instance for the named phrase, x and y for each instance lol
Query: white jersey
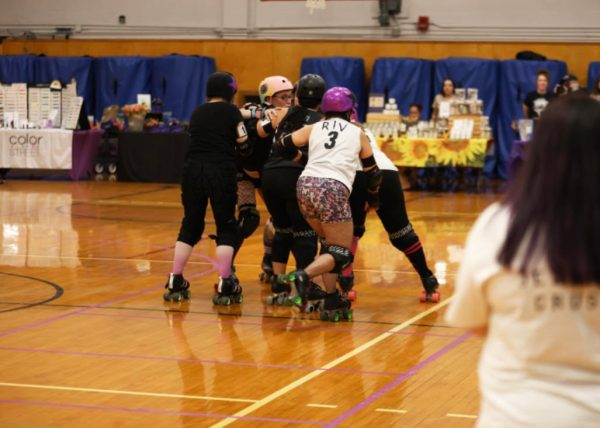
(333, 151)
(382, 161)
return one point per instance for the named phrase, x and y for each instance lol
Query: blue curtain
(49, 68)
(593, 74)
(408, 80)
(473, 73)
(517, 79)
(120, 79)
(340, 71)
(180, 82)
(17, 69)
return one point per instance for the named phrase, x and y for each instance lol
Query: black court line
(230, 314)
(58, 292)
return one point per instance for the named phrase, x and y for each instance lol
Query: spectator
(447, 95)
(595, 94)
(530, 280)
(567, 85)
(414, 115)
(536, 101)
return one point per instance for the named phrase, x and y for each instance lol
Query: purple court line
(158, 412)
(274, 325)
(89, 308)
(413, 370)
(195, 360)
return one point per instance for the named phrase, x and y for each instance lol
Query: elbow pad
(288, 149)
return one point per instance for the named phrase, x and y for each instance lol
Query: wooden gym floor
(86, 340)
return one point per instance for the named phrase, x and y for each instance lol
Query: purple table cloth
(85, 152)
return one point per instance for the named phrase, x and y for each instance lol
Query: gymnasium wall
(251, 60)
(451, 20)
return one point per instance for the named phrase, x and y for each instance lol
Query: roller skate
(336, 308)
(299, 279)
(430, 293)
(266, 275)
(346, 284)
(281, 293)
(178, 289)
(314, 299)
(227, 292)
(234, 276)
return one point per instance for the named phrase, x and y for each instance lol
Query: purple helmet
(338, 99)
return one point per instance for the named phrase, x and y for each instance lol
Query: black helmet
(221, 85)
(311, 88)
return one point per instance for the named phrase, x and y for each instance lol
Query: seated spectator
(446, 95)
(567, 85)
(414, 115)
(536, 101)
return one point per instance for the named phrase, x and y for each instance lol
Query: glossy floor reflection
(86, 340)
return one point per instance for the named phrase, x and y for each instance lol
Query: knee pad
(248, 220)
(190, 232)
(342, 257)
(282, 244)
(406, 240)
(304, 247)
(228, 233)
(359, 231)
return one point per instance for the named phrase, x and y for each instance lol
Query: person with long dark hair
(530, 280)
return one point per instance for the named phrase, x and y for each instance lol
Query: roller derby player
(335, 148)
(209, 174)
(280, 175)
(274, 92)
(393, 216)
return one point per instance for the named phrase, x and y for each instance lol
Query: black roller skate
(178, 289)
(227, 292)
(299, 279)
(314, 299)
(430, 293)
(281, 293)
(336, 308)
(346, 284)
(266, 275)
(234, 276)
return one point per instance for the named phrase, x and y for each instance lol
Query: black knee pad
(304, 247)
(341, 256)
(281, 246)
(405, 238)
(228, 233)
(248, 220)
(190, 231)
(359, 231)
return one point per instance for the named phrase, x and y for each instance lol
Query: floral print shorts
(323, 199)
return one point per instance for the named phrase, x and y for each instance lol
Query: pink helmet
(273, 84)
(338, 99)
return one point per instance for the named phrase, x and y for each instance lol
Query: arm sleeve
(470, 307)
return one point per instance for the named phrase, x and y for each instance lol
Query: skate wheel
(336, 317)
(423, 297)
(435, 297)
(240, 299)
(270, 300)
(352, 295)
(324, 316)
(348, 315)
(289, 301)
(215, 300)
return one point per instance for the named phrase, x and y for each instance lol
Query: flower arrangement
(135, 109)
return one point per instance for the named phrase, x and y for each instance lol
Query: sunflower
(461, 152)
(415, 151)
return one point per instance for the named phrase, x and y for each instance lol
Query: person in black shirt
(536, 101)
(274, 92)
(209, 174)
(280, 174)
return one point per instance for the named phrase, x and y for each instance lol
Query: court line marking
(400, 411)
(245, 265)
(125, 392)
(323, 406)
(460, 415)
(156, 412)
(299, 382)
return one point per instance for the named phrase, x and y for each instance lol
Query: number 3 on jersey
(332, 138)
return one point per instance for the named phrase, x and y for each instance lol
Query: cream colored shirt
(540, 362)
